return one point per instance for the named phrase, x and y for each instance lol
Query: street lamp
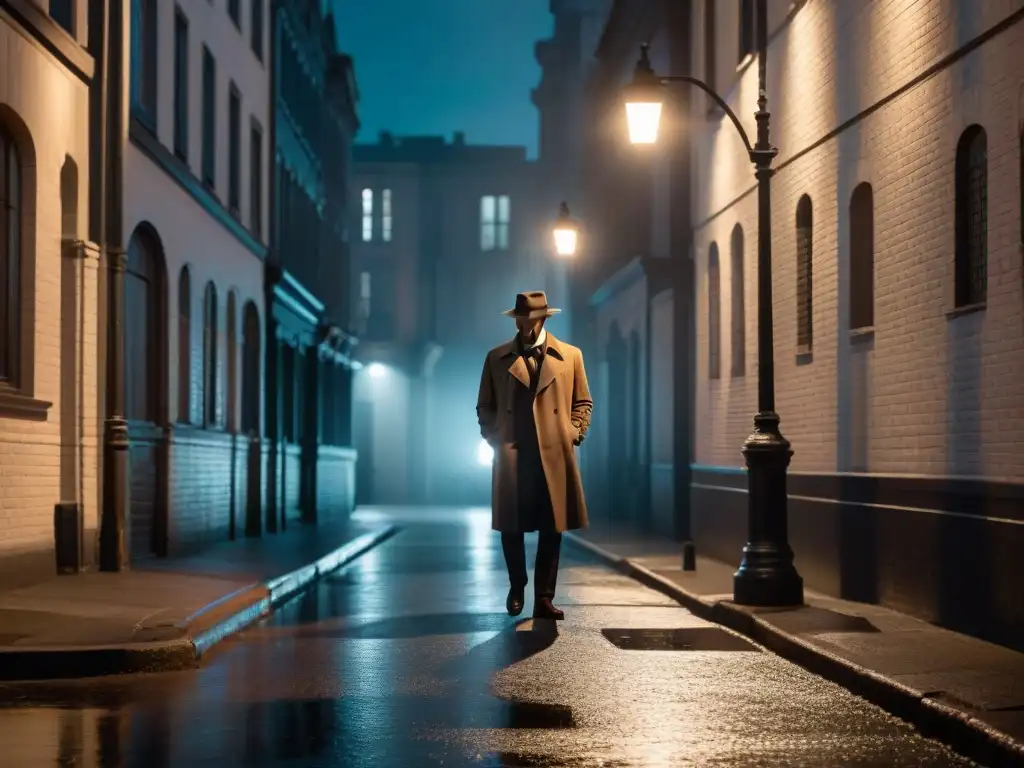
(566, 232)
(766, 576)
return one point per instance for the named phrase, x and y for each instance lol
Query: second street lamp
(566, 233)
(766, 576)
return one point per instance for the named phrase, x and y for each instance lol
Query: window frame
(738, 310)
(714, 312)
(257, 17)
(366, 202)
(971, 236)
(208, 169)
(12, 208)
(234, 9)
(144, 62)
(386, 220)
(234, 149)
(804, 274)
(185, 346)
(211, 379)
(862, 259)
(181, 83)
(256, 177)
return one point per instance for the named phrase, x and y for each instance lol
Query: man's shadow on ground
(469, 676)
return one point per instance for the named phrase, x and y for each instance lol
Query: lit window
(487, 223)
(495, 214)
(504, 215)
(367, 215)
(385, 204)
(364, 286)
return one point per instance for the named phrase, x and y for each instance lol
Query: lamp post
(766, 576)
(566, 232)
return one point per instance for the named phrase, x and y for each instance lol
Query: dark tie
(533, 362)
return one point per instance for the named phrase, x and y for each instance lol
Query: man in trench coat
(534, 406)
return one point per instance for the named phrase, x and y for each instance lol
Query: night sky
(439, 66)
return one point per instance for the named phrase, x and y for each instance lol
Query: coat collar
(554, 359)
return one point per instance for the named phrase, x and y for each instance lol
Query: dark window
(288, 393)
(209, 118)
(257, 28)
(143, 303)
(710, 49)
(714, 314)
(231, 396)
(63, 12)
(235, 12)
(748, 25)
(804, 285)
(184, 346)
(11, 193)
(256, 179)
(144, 61)
(234, 149)
(180, 85)
(251, 370)
(862, 257)
(739, 311)
(971, 261)
(210, 377)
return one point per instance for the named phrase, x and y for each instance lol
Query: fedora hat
(532, 304)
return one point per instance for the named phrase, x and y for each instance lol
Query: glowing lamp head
(484, 454)
(566, 233)
(376, 370)
(644, 100)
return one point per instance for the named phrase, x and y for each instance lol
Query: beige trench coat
(561, 412)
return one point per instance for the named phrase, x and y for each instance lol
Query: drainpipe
(113, 135)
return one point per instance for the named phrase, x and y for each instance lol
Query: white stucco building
(196, 223)
(49, 403)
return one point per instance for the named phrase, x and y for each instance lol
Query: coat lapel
(518, 367)
(554, 361)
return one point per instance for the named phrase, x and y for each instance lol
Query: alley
(407, 659)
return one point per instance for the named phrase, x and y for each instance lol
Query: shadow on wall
(965, 576)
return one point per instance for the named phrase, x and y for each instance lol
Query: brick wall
(60, 358)
(936, 393)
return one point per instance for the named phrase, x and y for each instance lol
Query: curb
(196, 634)
(930, 715)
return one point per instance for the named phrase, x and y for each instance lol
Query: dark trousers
(545, 569)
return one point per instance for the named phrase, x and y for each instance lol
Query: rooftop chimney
(386, 139)
(459, 139)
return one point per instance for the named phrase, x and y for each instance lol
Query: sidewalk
(166, 614)
(960, 690)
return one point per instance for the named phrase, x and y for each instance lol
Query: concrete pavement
(966, 691)
(166, 614)
(406, 659)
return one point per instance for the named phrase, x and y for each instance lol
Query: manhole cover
(689, 639)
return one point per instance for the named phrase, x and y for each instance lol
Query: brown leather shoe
(514, 602)
(544, 609)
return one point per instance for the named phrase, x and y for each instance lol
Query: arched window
(804, 271)
(232, 352)
(738, 324)
(862, 257)
(251, 370)
(714, 314)
(11, 193)
(210, 356)
(971, 261)
(184, 346)
(144, 302)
